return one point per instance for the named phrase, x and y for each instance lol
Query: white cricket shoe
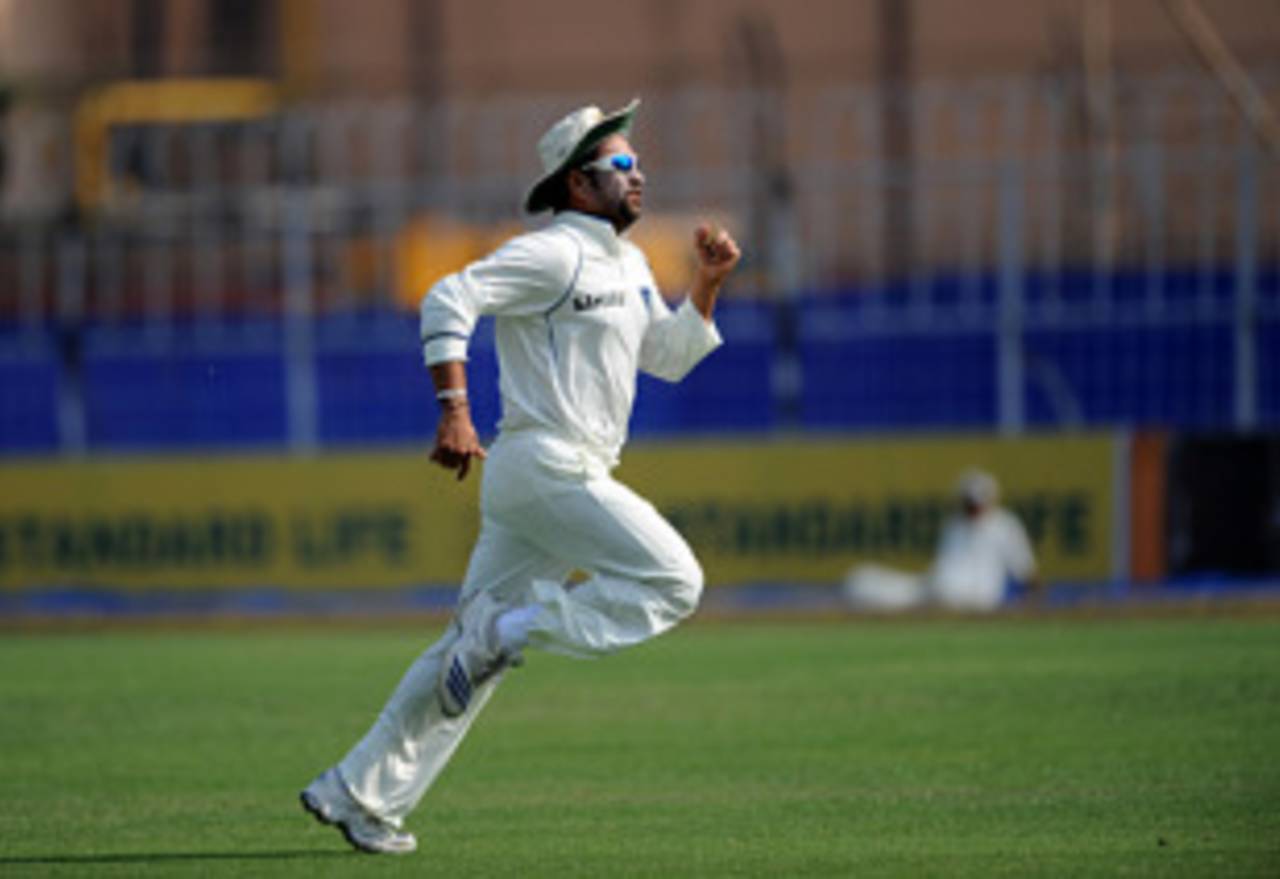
(328, 799)
(473, 659)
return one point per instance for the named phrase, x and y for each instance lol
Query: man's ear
(579, 183)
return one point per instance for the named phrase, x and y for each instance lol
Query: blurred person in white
(981, 545)
(577, 314)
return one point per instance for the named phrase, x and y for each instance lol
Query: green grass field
(912, 748)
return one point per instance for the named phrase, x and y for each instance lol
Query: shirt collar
(595, 228)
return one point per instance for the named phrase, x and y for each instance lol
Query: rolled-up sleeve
(524, 276)
(674, 343)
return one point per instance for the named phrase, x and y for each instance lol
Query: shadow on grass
(173, 857)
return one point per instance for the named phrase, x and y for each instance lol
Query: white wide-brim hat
(569, 141)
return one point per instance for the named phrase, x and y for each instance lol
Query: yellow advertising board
(331, 521)
(790, 511)
(806, 511)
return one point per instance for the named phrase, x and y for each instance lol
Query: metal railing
(315, 210)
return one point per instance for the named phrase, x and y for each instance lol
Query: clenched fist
(718, 255)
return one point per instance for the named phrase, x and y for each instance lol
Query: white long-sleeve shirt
(577, 314)
(974, 557)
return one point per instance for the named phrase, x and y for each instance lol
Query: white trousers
(547, 508)
(877, 588)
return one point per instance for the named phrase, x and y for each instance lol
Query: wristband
(446, 394)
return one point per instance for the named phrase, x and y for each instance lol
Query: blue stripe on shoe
(458, 683)
(459, 677)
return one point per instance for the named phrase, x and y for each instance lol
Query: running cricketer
(577, 315)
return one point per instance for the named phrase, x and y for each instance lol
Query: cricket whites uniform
(974, 557)
(577, 314)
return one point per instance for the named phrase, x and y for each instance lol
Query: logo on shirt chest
(594, 301)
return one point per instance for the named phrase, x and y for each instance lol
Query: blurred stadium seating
(243, 281)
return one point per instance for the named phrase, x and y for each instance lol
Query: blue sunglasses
(622, 162)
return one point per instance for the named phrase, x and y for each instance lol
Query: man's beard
(619, 212)
(625, 215)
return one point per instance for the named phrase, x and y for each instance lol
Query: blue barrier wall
(898, 358)
(29, 378)
(184, 398)
(1269, 371)
(1179, 376)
